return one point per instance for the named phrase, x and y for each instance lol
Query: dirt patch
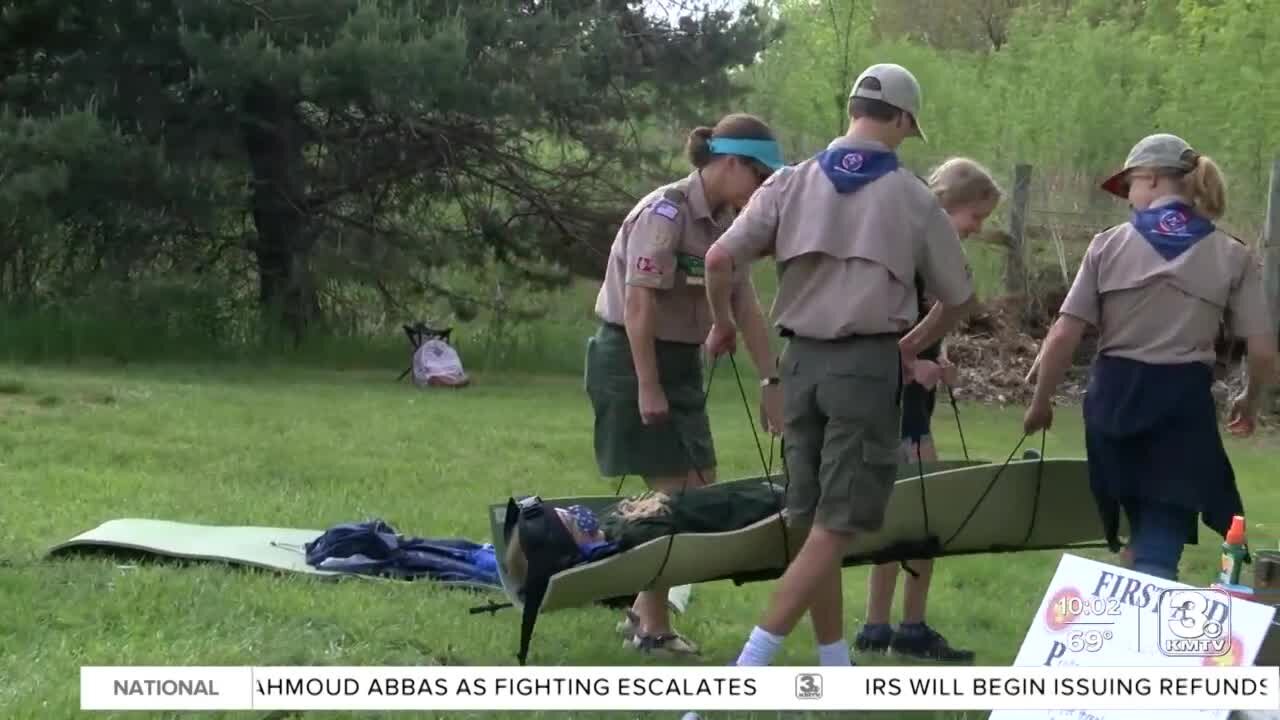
(996, 347)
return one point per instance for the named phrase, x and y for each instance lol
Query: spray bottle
(1234, 553)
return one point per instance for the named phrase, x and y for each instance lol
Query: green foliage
(355, 143)
(367, 163)
(1072, 87)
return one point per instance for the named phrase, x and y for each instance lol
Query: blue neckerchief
(595, 550)
(1171, 229)
(850, 170)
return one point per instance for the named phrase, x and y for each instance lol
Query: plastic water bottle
(1234, 553)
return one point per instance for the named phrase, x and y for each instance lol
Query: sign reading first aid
(1096, 614)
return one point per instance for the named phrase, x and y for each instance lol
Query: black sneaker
(924, 643)
(873, 638)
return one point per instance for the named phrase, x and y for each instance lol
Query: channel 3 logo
(808, 686)
(1195, 623)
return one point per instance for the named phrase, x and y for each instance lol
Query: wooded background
(201, 177)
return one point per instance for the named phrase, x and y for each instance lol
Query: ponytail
(1206, 187)
(739, 126)
(697, 148)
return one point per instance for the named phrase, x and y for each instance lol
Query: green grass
(301, 448)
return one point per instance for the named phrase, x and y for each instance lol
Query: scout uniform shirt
(849, 259)
(1165, 291)
(662, 245)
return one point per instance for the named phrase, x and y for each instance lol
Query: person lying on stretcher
(577, 534)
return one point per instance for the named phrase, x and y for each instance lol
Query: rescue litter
(510, 687)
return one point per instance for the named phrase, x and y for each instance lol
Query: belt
(615, 327)
(897, 335)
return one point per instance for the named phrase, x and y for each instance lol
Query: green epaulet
(675, 195)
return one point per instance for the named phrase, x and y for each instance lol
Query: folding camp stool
(419, 333)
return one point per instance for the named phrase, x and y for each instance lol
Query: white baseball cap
(898, 87)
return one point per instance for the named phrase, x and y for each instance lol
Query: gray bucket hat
(1153, 151)
(898, 87)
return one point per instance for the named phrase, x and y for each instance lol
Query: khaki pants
(842, 407)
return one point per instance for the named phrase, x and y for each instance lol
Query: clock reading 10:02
(1080, 609)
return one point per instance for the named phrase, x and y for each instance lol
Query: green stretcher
(943, 509)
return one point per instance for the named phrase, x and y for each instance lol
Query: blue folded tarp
(375, 548)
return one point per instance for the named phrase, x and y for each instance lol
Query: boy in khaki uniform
(849, 230)
(1159, 288)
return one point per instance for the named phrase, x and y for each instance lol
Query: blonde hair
(961, 182)
(1206, 187)
(647, 505)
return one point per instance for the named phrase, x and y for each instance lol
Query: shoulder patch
(674, 194)
(666, 209)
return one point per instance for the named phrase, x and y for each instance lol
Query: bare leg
(815, 569)
(915, 588)
(914, 636)
(915, 591)
(876, 632)
(827, 611)
(651, 606)
(882, 583)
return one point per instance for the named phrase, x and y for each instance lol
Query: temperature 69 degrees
(1090, 616)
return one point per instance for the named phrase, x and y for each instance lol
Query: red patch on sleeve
(647, 265)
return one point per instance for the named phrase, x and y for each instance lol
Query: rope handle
(767, 466)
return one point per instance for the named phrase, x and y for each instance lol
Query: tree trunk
(273, 141)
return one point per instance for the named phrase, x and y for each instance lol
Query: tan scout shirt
(662, 245)
(848, 262)
(1162, 311)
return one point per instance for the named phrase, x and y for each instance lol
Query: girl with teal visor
(644, 368)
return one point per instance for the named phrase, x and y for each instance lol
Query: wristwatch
(770, 381)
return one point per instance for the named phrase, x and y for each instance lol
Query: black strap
(955, 409)
(992, 484)
(1035, 506)
(535, 590)
(671, 538)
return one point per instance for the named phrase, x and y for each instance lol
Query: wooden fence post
(1270, 246)
(1270, 249)
(1015, 269)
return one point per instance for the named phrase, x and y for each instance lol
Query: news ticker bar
(679, 688)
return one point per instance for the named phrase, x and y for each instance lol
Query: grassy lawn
(312, 449)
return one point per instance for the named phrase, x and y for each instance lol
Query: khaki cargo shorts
(842, 407)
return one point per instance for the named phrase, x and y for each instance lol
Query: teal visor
(764, 151)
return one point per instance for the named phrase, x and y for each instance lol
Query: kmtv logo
(1195, 623)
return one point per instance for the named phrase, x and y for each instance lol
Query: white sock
(760, 648)
(836, 654)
